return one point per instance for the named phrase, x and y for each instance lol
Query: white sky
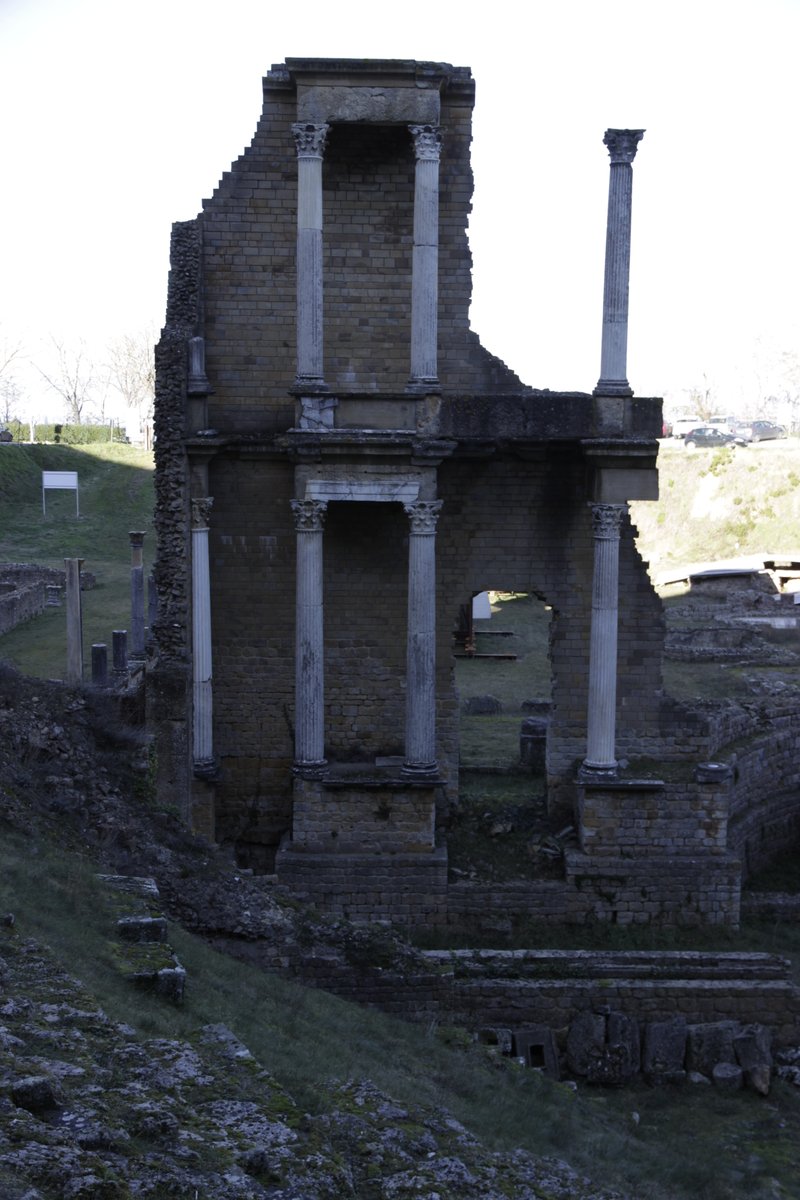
(118, 119)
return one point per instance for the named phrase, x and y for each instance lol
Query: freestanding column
(137, 595)
(309, 520)
(421, 646)
(600, 754)
(622, 144)
(425, 263)
(310, 142)
(72, 567)
(202, 697)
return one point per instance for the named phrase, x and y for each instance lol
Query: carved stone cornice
(423, 515)
(607, 519)
(427, 142)
(201, 511)
(622, 144)
(309, 515)
(310, 139)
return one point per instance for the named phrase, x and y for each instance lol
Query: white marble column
(202, 728)
(425, 262)
(622, 144)
(600, 758)
(310, 142)
(420, 757)
(309, 737)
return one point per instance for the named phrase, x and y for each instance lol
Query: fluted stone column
(600, 758)
(310, 142)
(309, 519)
(425, 262)
(420, 757)
(622, 144)
(137, 594)
(202, 694)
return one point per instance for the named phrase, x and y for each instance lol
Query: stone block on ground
(709, 1044)
(665, 1050)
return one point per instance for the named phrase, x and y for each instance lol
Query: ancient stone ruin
(340, 462)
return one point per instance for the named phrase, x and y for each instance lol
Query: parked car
(682, 425)
(711, 435)
(759, 431)
(6, 435)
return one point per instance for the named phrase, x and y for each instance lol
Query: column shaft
(602, 710)
(202, 688)
(622, 144)
(420, 757)
(137, 594)
(310, 141)
(425, 259)
(309, 518)
(72, 567)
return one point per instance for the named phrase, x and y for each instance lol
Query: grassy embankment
(116, 496)
(659, 1143)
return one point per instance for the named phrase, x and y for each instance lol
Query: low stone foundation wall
(23, 591)
(519, 988)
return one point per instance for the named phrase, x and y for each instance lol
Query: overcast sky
(118, 119)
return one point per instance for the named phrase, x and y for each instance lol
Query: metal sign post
(63, 480)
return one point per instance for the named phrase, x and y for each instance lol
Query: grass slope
(693, 1143)
(116, 496)
(721, 504)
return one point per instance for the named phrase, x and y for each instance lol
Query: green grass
(116, 496)
(721, 504)
(691, 1143)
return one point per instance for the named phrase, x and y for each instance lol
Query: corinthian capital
(309, 515)
(310, 139)
(201, 511)
(423, 515)
(622, 144)
(606, 519)
(427, 142)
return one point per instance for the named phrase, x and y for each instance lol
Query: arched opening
(499, 828)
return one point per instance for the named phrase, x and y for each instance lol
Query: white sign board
(63, 481)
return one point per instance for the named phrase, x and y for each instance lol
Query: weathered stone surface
(753, 1049)
(664, 1050)
(727, 1077)
(35, 1093)
(586, 1042)
(709, 1044)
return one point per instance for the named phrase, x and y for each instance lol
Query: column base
(310, 770)
(613, 387)
(422, 387)
(591, 772)
(205, 768)
(420, 771)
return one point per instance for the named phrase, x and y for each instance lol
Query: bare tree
(10, 396)
(72, 376)
(132, 371)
